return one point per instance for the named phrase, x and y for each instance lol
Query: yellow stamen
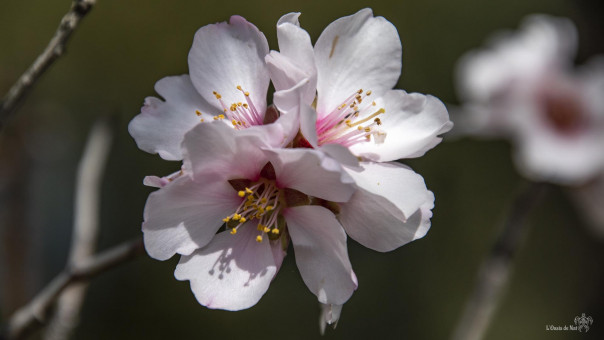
(197, 112)
(241, 193)
(233, 231)
(259, 238)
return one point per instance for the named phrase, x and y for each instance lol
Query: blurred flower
(264, 197)
(350, 112)
(228, 81)
(523, 87)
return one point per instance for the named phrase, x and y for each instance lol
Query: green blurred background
(416, 292)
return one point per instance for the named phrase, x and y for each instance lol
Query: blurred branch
(54, 49)
(495, 271)
(86, 226)
(33, 315)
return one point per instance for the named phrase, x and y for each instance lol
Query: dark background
(416, 292)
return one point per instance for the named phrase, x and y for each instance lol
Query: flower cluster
(314, 168)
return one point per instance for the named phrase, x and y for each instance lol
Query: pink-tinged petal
(311, 172)
(395, 182)
(412, 122)
(232, 272)
(541, 45)
(160, 182)
(330, 314)
(308, 121)
(218, 149)
(377, 223)
(321, 256)
(356, 52)
(185, 215)
(295, 59)
(161, 125)
(227, 55)
(340, 154)
(279, 250)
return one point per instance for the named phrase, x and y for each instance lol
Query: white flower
(523, 87)
(263, 195)
(352, 113)
(228, 81)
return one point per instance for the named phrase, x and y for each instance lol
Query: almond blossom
(351, 112)
(523, 86)
(263, 196)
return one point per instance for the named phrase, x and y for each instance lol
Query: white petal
(232, 272)
(412, 122)
(295, 59)
(321, 255)
(185, 215)
(356, 52)
(225, 55)
(311, 172)
(396, 183)
(377, 223)
(308, 121)
(161, 125)
(218, 149)
(541, 45)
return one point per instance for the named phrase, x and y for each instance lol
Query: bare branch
(85, 229)
(33, 315)
(495, 271)
(54, 49)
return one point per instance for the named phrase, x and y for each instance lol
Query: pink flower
(228, 81)
(523, 87)
(351, 112)
(264, 196)
(351, 71)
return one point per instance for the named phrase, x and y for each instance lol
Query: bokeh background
(415, 292)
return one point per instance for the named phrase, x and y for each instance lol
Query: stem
(85, 229)
(495, 271)
(54, 49)
(33, 315)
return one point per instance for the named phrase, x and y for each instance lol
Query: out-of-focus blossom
(351, 112)
(265, 196)
(523, 86)
(228, 81)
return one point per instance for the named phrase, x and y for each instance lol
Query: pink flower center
(262, 201)
(354, 121)
(563, 111)
(242, 115)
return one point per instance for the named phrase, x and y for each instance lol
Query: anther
(197, 112)
(259, 238)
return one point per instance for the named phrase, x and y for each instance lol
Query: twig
(85, 229)
(495, 271)
(33, 315)
(54, 49)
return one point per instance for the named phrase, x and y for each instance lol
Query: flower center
(262, 201)
(564, 112)
(354, 121)
(242, 115)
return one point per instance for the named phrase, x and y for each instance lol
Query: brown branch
(85, 228)
(54, 49)
(495, 271)
(33, 315)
